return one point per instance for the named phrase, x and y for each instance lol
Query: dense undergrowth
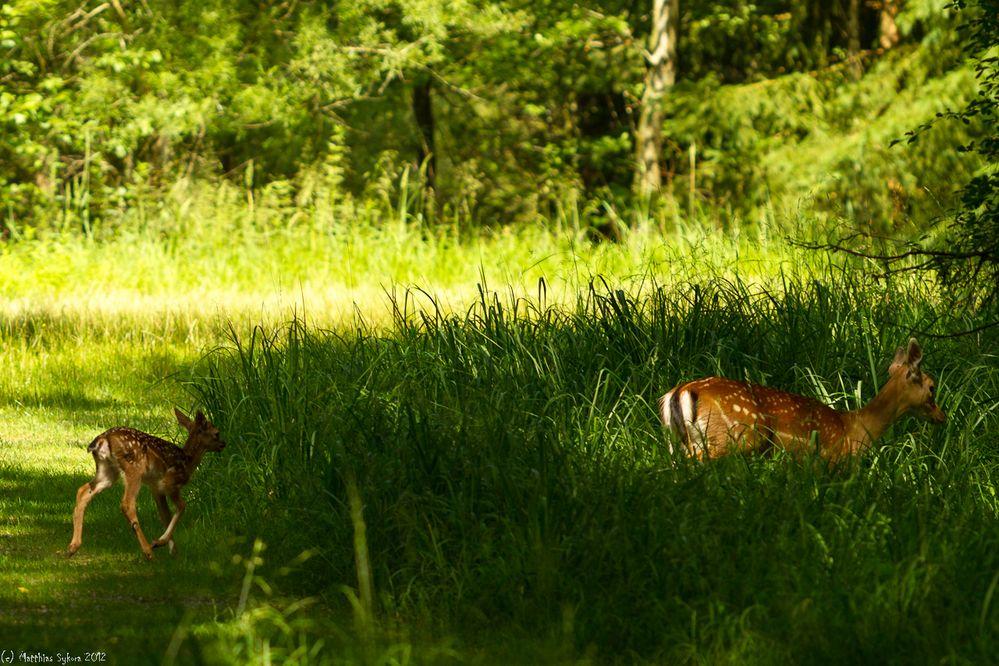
(518, 491)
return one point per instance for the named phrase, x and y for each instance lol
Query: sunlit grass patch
(240, 272)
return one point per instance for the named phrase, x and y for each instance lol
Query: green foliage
(106, 107)
(735, 41)
(821, 142)
(970, 262)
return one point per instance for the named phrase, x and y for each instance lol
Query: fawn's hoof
(159, 543)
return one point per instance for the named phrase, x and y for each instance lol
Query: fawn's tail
(100, 447)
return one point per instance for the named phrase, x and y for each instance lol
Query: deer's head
(200, 431)
(918, 390)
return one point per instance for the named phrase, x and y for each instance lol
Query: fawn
(716, 416)
(144, 459)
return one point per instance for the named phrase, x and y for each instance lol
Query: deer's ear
(200, 418)
(182, 418)
(913, 357)
(900, 361)
(914, 353)
(907, 358)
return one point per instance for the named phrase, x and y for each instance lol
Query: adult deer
(716, 416)
(143, 459)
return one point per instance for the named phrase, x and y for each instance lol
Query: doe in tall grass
(716, 416)
(144, 459)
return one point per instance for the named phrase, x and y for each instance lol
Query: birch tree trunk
(660, 74)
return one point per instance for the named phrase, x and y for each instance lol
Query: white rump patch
(664, 410)
(102, 450)
(105, 477)
(695, 434)
(687, 407)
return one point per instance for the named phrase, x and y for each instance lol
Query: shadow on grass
(67, 401)
(108, 598)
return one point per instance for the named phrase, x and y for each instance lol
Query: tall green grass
(517, 488)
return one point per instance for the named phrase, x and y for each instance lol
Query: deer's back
(719, 413)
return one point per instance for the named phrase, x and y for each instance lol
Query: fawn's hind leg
(106, 475)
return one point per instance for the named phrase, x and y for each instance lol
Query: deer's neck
(867, 424)
(194, 455)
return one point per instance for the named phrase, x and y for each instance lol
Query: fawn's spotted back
(128, 445)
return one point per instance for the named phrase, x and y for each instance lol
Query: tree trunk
(660, 74)
(853, 39)
(888, 29)
(423, 111)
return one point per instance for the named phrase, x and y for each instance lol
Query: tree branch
(838, 246)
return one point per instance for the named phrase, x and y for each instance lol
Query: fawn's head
(200, 431)
(917, 390)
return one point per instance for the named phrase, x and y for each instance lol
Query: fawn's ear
(200, 419)
(182, 419)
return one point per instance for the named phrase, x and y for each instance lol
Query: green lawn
(85, 348)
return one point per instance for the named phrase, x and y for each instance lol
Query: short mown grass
(61, 385)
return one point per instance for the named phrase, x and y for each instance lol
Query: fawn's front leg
(167, 518)
(179, 504)
(133, 484)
